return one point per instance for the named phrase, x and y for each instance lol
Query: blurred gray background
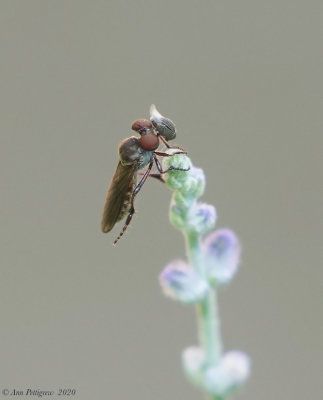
(242, 80)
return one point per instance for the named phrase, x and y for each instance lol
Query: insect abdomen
(127, 201)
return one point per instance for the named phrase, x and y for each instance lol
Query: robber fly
(136, 153)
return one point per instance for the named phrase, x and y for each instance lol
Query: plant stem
(207, 311)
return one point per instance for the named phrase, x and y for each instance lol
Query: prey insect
(136, 153)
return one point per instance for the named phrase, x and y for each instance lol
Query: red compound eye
(149, 142)
(141, 125)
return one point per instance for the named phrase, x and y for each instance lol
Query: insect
(136, 153)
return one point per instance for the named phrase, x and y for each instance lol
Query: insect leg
(171, 147)
(142, 180)
(125, 226)
(156, 176)
(171, 168)
(162, 154)
(132, 208)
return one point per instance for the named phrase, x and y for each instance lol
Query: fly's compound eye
(141, 125)
(149, 142)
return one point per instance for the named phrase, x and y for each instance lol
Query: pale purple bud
(179, 281)
(226, 377)
(222, 255)
(201, 218)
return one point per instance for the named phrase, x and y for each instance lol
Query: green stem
(207, 311)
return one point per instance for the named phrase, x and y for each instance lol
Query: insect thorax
(130, 152)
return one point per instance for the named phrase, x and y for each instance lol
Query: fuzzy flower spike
(212, 260)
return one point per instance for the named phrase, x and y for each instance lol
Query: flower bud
(180, 282)
(193, 360)
(181, 200)
(177, 216)
(194, 184)
(190, 183)
(176, 179)
(164, 126)
(222, 255)
(226, 377)
(201, 218)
